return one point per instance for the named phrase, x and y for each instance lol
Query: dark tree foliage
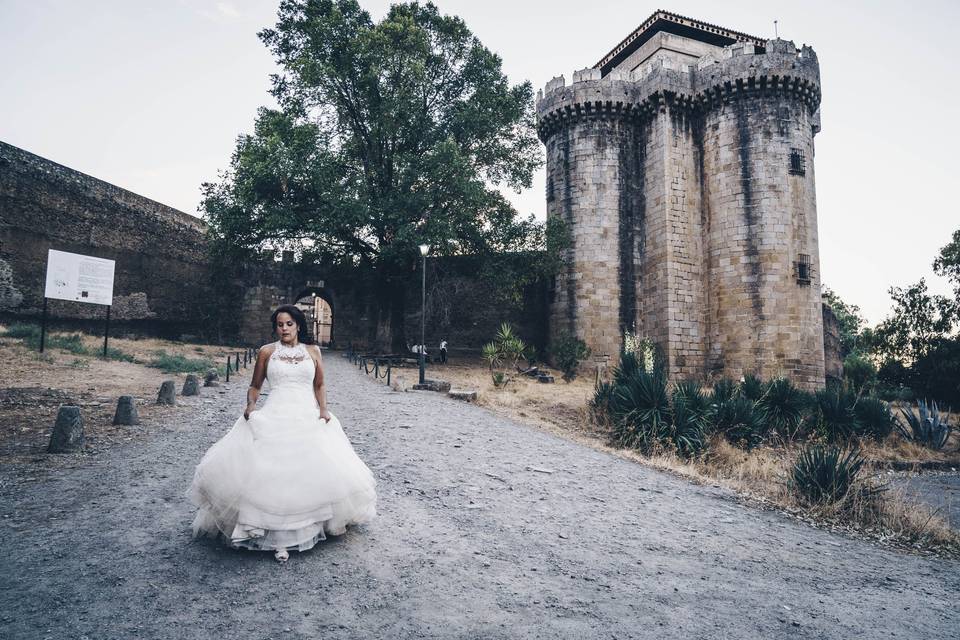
(389, 135)
(852, 322)
(947, 263)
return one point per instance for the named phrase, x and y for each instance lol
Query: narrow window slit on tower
(798, 163)
(803, 269)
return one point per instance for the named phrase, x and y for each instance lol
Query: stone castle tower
(682, 166)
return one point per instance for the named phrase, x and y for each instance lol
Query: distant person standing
(443, 352)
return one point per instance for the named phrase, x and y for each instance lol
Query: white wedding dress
(284, 478)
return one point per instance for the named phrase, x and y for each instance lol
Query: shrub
(875, 418)
(739, 421)
(930, 428)
(505, 350)
(600, 402)
(783, 407)
(825, 475)
(22, 330)
(834, 413)
(689, 418)
(859, 372)
(640, 408)
(752, 387)
(568, 352)
(176, 363)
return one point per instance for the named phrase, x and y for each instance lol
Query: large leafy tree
(387, 135)
(851, 321)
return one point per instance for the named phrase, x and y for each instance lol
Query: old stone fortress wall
(682, 165)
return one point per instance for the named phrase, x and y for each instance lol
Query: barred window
(798, 162)
(803, 269)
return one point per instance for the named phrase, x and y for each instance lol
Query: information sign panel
(80, 278)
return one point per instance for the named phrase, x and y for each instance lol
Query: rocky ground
(487, 529)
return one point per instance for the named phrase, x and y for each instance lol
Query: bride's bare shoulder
(268, 349)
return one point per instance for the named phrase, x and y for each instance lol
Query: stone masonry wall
(713, 275)
(162, 275)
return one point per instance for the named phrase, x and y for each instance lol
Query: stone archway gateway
(317, 304)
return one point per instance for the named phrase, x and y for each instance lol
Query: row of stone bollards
(67, 436)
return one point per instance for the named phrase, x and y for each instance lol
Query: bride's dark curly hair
(298, 317)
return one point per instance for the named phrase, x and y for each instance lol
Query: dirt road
(488, 529)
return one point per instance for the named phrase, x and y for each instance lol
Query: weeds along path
(488, 529)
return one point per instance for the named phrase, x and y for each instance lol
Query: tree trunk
(391, 308)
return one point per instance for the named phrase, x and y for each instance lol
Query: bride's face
(286, 328)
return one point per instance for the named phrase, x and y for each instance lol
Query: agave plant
(930, 428)
(875, 418)
(826, 475)
(783, 407)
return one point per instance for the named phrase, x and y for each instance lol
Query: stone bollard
(126, 411)
(67, 435)
(211, 379)
(168, 393)
(191, 386)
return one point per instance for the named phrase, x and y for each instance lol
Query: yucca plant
(739, 421)
(826, 475)
(930, 428)
(875, 418)
(783, 407)
(751, 387)
(834, 413)
(640, 409)
(600, 402)
(723, 390)
(689, 415)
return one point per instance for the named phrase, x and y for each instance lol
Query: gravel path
(488, 529)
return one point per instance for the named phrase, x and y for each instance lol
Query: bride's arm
(259, 374)
(319, 390)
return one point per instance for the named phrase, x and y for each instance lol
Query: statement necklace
(296, 353)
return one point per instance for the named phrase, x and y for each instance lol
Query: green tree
(920, 320)
(388, 135)
(947, 263)
(852, 323)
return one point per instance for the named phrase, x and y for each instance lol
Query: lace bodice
(290, 366)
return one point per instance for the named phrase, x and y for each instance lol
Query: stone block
(126, 413)
(168, 393)
(463, 394)
(440, 386)
(211, 378)
(67, 436)
(191, 386)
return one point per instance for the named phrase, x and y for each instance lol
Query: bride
(285, 475)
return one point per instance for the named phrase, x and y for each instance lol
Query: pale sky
(150, 96)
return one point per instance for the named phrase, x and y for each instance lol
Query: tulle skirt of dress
(282, 479)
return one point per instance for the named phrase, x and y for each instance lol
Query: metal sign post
(106, 333)
(43, 325)
(78, 278)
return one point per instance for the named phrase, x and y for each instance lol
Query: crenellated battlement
(739, 69)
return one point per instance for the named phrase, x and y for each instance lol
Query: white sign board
(71, 276)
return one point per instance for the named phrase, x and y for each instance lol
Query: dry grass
(761, 475)
(34, 385)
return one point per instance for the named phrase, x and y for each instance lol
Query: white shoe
(281, 555)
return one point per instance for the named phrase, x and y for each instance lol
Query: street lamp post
(424, 250)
